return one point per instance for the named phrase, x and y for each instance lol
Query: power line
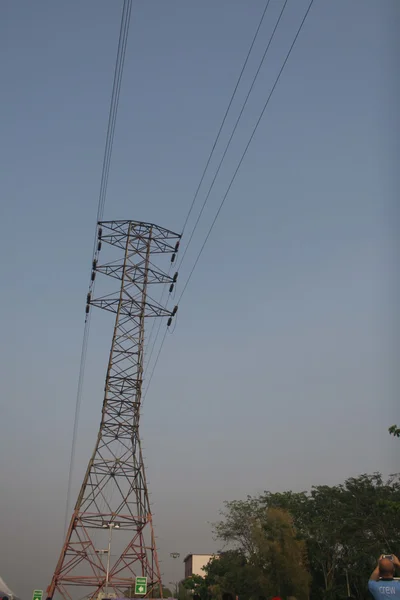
(206, 168)
(246, 148)
(225, 115)
(233, 131)
(119, 66)
(154, 324)
(234, 177)
(76, 417)
(155, 365)
(118, 70)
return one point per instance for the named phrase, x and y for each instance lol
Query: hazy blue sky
(281, 370)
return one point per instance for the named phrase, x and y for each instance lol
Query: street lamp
(175, 555)
(110, 526)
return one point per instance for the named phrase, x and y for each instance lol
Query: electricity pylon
(114, 494)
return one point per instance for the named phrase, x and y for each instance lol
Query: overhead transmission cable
(118, 71)
(206, 168)
(233, 131)
(155, 365)
(225, 116)
(211, 154)
(235, 174)
(222, 159)
(246, 149)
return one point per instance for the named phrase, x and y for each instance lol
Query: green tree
(184, 593)
(280, 556)
(235, 527)
(196, 585)
(394, 430)
(272, 558)
(344, 528)
(231, 574)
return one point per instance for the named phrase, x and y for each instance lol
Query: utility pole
(175, 583)
(114, 492)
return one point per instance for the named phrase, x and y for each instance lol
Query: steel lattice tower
(114, 492)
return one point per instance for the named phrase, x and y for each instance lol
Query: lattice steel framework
(114, 492)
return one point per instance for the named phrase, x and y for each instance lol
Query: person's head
(386, 568)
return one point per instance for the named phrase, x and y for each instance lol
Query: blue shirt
(389, 588)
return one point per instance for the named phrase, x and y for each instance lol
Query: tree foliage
(280, 557)
(394, 430)
(339, 531)
(229, 575)
(269, 558)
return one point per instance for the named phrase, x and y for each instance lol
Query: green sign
(140, 586)
(37, 595)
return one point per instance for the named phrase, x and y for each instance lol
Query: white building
(194, 563)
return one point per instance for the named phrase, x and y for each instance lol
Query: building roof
(189, 555)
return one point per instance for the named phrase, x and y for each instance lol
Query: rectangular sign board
(37, 595)
(141, 586)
